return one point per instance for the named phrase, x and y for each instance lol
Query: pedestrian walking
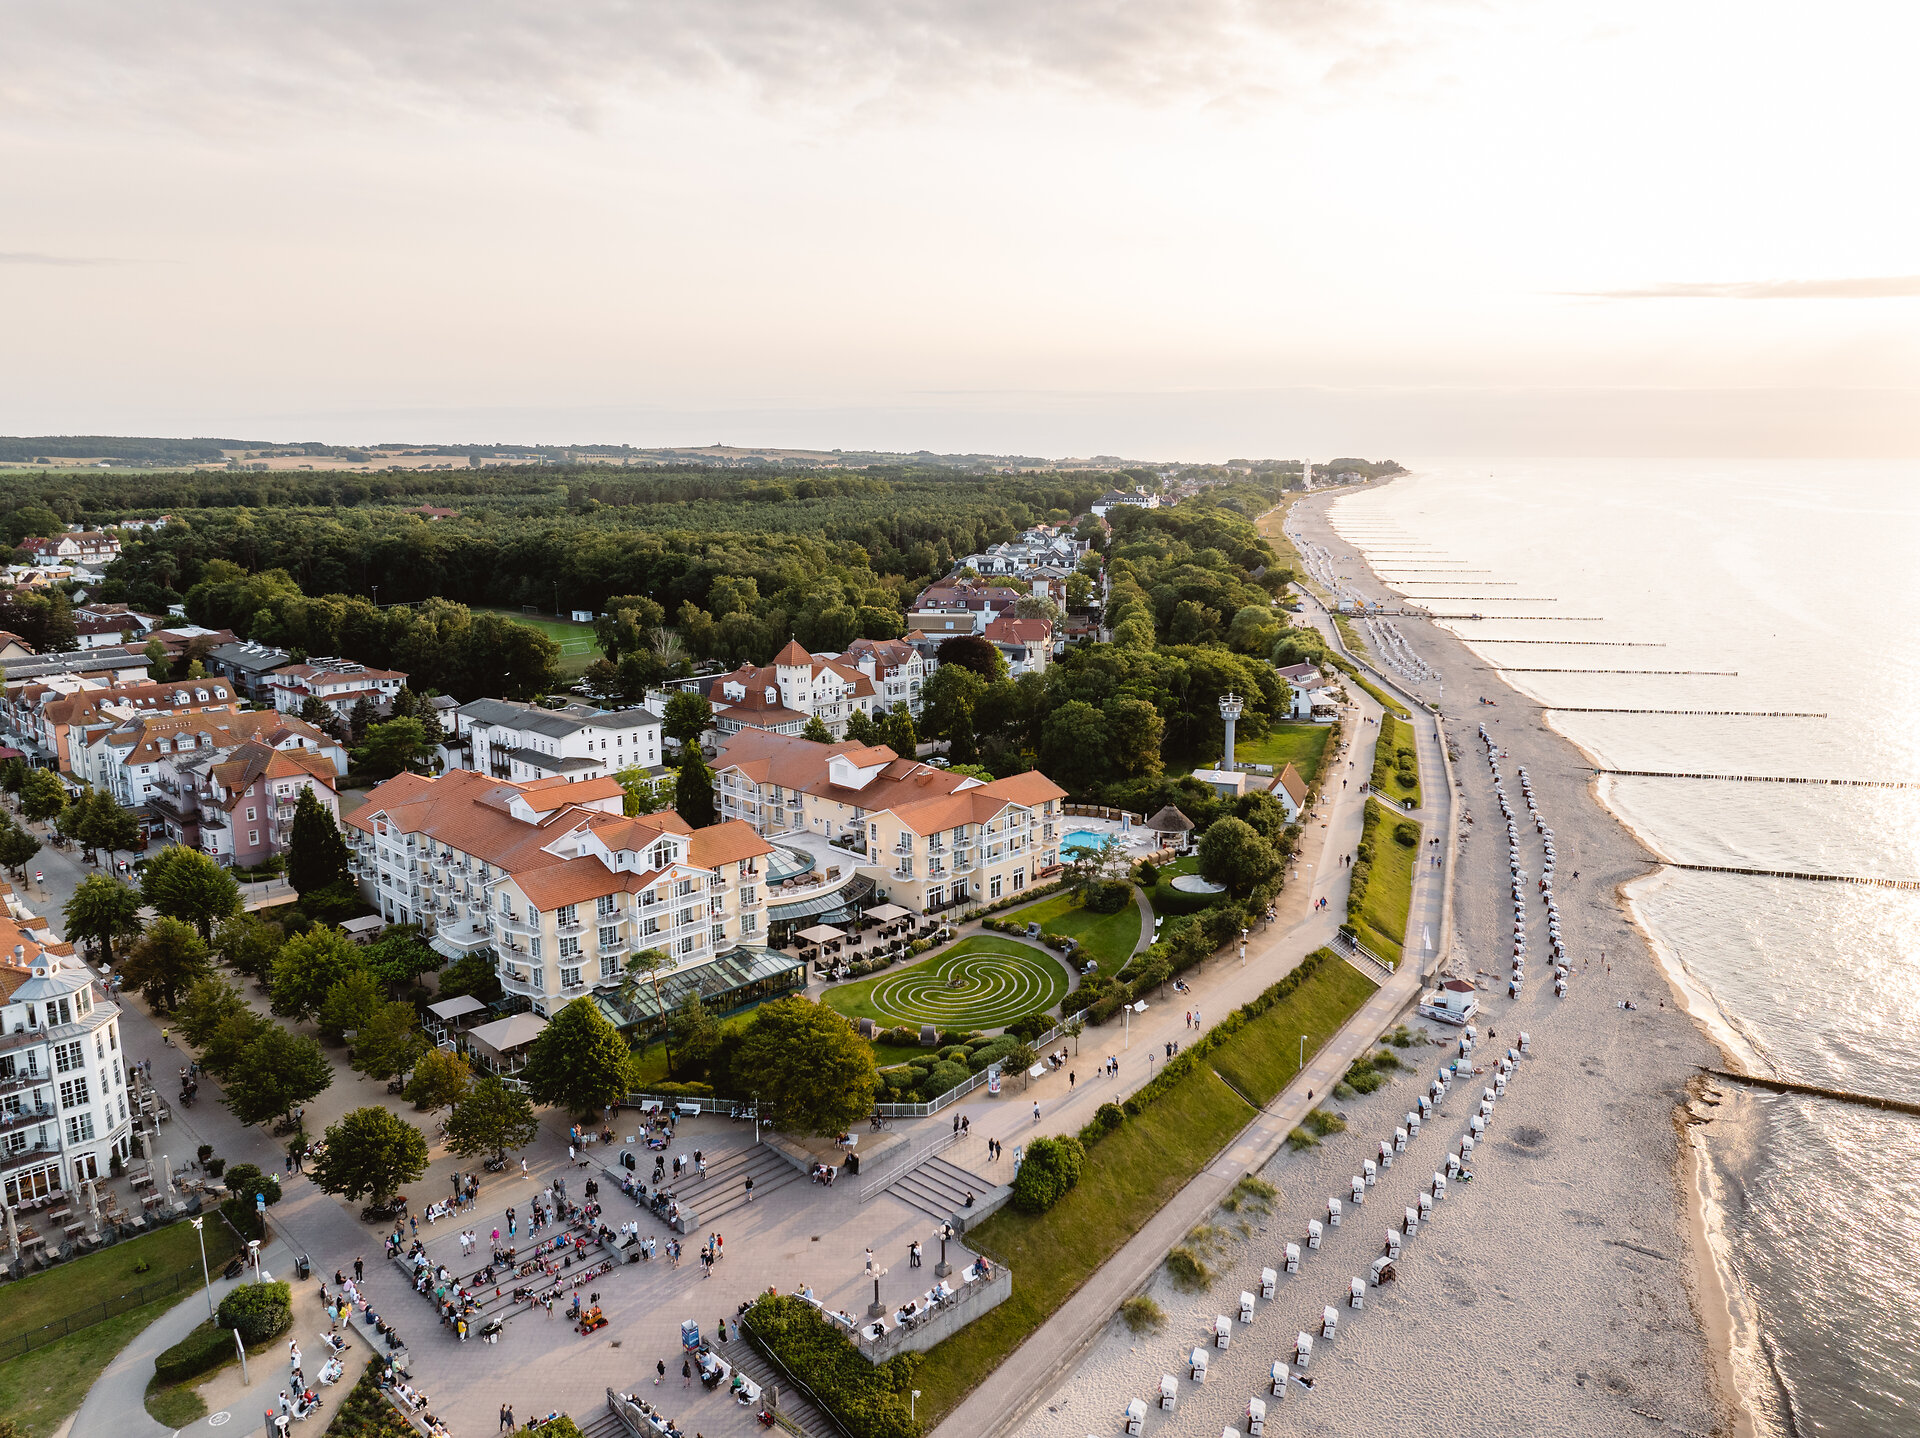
(506, 1419)
(749, 1190)
(660, 1372)
(359, 1270)
(1070, 1080)
(1036, 1112)
(686, 1374)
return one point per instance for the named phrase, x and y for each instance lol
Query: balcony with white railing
(516, 924)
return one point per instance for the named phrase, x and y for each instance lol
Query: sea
(1778, 589)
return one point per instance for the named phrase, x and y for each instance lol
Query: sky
(1192, 230)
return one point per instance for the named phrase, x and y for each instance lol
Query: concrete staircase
(725, 1186)
(939, 1189)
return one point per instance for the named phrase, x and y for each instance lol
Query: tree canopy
(579, 1062)
(185, 884)
(811, 1071)
(490, 1119)
(316, 853)
(371, 1153)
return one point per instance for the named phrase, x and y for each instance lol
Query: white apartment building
(552, 878)
(926, 838)
(337, 683)
(63, 1091)
(523, 742)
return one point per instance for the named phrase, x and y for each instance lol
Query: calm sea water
(1804, 578)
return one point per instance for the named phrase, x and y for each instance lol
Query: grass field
(39, 1389)
(575, 640)
(33, 1302)
(1382, 921)
(1302, 745)
(1395, 735)
(1107, 937)
(998, 980)
(1128, 1178)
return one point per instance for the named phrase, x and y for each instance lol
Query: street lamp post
(253, 1257)
(943, 1268)
(913, 1404)
(1303, 1053)
(198, 1228)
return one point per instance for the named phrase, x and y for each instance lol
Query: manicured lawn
(1395, 735)
(1107, 937)
(1382, 921)
(1264, 1056)
(33, 1302)
(983, 982)
(1302, 745)
(39, 1389)
(1130, 1176)
(1168, 901)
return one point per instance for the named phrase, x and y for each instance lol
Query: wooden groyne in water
(1518, 618)
(1704, 673)
(1801, 874)
(1583, 643)
(1838, 1095)
(1712, 713)
(1764, 779)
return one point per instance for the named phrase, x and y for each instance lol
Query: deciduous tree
(307, 969)
(42, 795)
(689, 714)
(389, 1041)
(166, 962)
(185, 884)
(813, 1073)
(1233, 854)
(274, 1074)
(579, 1061)
(490, 1119)
(440, 1077)
(348, 1004)
(102, 912)
(371, 1153)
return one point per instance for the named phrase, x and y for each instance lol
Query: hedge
(208, 1346)
(867, 1401)
(1193, 1053)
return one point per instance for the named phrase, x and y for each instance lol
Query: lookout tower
(1230, 706)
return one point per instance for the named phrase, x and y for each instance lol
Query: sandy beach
(1568, 1288)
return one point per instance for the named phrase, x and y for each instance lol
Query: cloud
(208, 64)
(33, 257)
(1876, 287)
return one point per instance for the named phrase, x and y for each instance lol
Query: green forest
(727, 565)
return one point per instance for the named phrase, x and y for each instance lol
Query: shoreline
(1710, 1296)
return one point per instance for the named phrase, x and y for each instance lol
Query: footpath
(1020, 1383)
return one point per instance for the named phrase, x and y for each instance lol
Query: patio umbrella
(93, 1203)
(820, 934)
(166, 1168)
(13, 1232)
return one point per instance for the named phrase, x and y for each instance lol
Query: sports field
(575, 640)
(981, 983)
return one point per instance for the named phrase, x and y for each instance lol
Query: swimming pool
(1081, 841)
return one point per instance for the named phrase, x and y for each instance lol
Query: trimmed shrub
(206, 1347)
(365, 1412)
(868, 1401)
(1406, 832)
(941, 1077)
(259, 1310)
(1051, 1167)
(244, 1180)
(1107, 1118)
(1149, 873)
(1109, 896)
(1030, 1026)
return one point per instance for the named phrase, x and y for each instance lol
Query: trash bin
(303, 1266)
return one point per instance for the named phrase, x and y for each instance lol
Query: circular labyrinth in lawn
(981, 988)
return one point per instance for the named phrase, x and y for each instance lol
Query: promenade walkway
(1031, 1371)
